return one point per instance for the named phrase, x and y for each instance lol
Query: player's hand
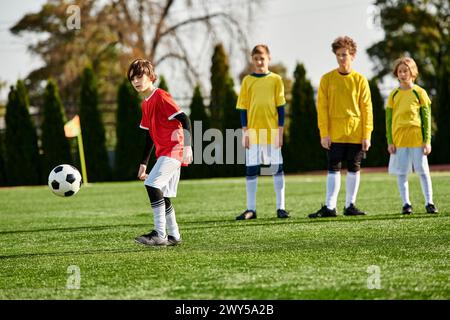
(279, 141)
(326, 142)
(245, 139)
(426, 149)
(187, 154)
(365, 145)
(141, 173)
(392, 149)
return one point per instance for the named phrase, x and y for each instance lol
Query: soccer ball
(64, 180)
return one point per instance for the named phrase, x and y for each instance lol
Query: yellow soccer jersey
(407, 123)
(344, 107)
(260, 95)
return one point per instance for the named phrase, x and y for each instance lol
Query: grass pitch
(384, 255)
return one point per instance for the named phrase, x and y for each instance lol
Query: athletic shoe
(281, 213)
(152, 239)
(407, 209)
(172, 241)
(324, 212)
(247, 215)
(431, 208)
(351, 210)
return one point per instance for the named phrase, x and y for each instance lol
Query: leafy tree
(223, 104)
(114, 32)
(377, 154)
(304, 151)
(21, 148)
(420, 29)
(55, 145)
(93, 129)
(441, 145)
(130, 138)
(3, 181)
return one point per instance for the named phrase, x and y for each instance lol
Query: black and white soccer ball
(64, 180)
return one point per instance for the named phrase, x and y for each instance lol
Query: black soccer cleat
(431, 208)
(281, 213)
(351, 210)
(152, 239)
(247, 215)
(323, 212)
(407, 209)
(172, 241)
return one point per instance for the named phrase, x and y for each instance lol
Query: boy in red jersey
(169, 128)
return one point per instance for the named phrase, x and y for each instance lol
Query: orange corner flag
(72, 128)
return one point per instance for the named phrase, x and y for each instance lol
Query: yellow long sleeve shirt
(344, 107)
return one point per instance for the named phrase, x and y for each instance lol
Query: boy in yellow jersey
(408, 132)
(344, 112)
(261, 104)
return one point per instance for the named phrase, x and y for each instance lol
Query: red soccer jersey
(158, 112)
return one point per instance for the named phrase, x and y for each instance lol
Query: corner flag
(73, 129)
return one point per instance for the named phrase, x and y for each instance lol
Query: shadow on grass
(80, 252)
(231, 223)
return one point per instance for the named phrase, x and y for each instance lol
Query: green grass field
(42, 235)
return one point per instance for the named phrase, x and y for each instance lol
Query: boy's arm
(145, 156)
(245, 138)
(322, 108)
(425, 117)
(389, 125)
(366, 110)
(186, 124)
(281, 116)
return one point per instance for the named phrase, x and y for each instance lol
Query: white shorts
(263, 154)
(165, 175)
(405, 160)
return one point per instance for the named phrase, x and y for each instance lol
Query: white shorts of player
(263, 154)
(165, 176)
(405, 160)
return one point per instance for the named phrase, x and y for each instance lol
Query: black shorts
(350, 152)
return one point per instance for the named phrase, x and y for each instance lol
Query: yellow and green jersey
(260, 95)
(408, 118)
(344, 107)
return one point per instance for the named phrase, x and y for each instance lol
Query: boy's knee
(334, 167)
(154, 194)
(251, 171)
(279, 170)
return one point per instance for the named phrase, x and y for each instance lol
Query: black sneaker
(324, 212)
(281, 213)
(407, 209)
(431, 208)
(351, 210)
(152, 239)
(247, 215)
(172, 241)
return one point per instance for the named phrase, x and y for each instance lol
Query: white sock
(427, 189)
(333, 186)
(252, 184)
(278, 184)
(159, 217)
(352, 187)
(172, 226)
(403, 188)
